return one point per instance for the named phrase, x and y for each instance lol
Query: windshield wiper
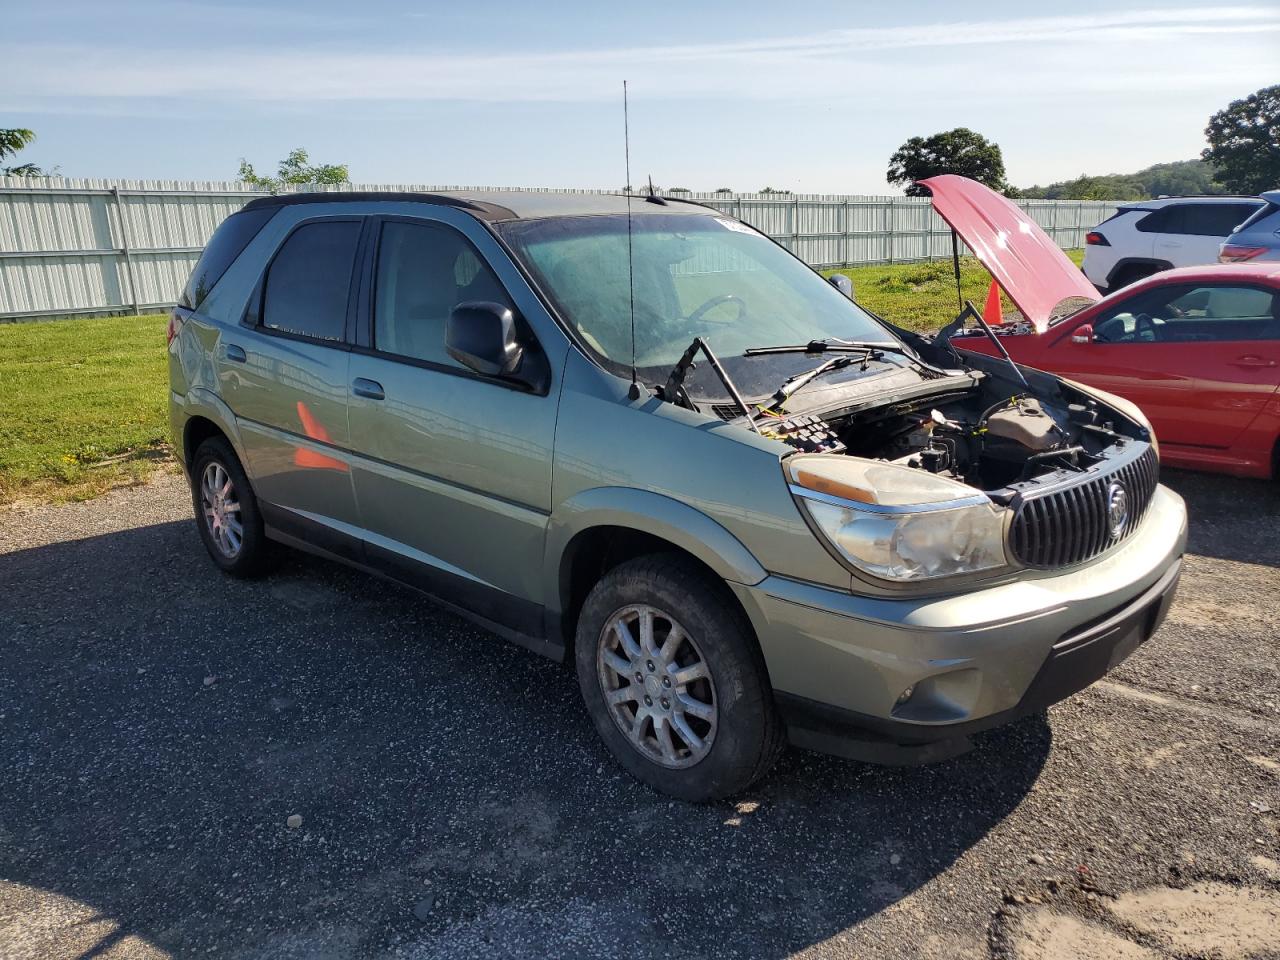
(836, 345)
(794, 384)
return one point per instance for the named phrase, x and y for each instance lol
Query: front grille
(1072, 524)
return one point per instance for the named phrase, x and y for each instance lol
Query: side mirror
(482, 336)
(1083, 334)
(842, 283)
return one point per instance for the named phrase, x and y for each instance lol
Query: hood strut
(955, 326)
(955, 266)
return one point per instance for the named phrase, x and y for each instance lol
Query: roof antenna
(654, 196)
(634, 392)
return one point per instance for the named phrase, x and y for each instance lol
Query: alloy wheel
(657, 686)
(220, 503)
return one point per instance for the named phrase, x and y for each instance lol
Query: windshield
(694, 275)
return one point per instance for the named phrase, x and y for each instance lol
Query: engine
(966, 437)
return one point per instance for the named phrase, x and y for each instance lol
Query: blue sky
(812, 97)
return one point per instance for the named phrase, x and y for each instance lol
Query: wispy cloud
(844, 61)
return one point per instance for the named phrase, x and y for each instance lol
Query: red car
(1198, 348)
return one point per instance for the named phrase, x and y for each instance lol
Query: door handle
(235, 352)
(370, 389)
(1252, 361)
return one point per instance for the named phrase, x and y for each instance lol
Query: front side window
(424, 271)
(691, 275)
(309, 280)
(1191, 314)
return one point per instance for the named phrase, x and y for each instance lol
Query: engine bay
(992, 435)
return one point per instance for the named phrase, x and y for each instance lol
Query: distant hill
(1182, 177)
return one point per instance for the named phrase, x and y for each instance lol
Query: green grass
(83, 402)
(82, 405)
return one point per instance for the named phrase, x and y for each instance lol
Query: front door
(1124, 358)
(284, 373)
(1231, 333)
(452, 469)
(1199, 359)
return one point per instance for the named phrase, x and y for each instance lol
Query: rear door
(284, 373)
(1194, 231)
(452, 469)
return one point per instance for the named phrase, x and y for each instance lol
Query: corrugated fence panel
(99, 246)
(40, 285)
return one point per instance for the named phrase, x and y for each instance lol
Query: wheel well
(197, 431)
(1131, 270)
(594, 552)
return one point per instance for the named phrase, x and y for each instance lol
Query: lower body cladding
(907, 681)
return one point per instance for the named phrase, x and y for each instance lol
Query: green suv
(639, 435)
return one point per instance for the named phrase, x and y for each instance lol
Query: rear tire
(227, 513)
(674, 682)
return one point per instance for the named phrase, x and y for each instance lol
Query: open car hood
(1028, 265)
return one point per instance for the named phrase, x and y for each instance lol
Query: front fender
(651, 513)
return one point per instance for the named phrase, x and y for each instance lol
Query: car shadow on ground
(162, 722)
(1228, 517)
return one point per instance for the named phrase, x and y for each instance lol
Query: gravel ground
(162, 724)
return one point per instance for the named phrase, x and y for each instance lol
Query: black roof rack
(491, 205)
(487, 210)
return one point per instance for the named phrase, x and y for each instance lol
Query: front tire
(673, 680)
(227, 513)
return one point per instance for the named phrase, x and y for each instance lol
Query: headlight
(1126, 407)
(895, 522)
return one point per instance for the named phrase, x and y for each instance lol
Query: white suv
(1153, 235)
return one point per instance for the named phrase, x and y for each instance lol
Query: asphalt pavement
(321, 764)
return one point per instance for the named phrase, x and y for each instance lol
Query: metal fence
(107, 246)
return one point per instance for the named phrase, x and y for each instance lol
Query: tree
(11, 141)
(771, 190)
(959, 151)
(724, 190)
(296, 168)
(1175, 179)
(1244, 142)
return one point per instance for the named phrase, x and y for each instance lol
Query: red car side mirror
(1083, 333)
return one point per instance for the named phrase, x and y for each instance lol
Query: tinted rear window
(310, 278)
(1158, 221)
(1122, 212)
(227, 243)
(1197, 219)
(1216, 219)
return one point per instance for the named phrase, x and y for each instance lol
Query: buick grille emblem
(1117, 509)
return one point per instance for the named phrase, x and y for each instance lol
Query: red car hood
(1030, 268)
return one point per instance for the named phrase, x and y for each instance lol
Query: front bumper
(840, 664)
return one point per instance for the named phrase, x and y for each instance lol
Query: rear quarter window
(1159, 221)
(227, 243)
